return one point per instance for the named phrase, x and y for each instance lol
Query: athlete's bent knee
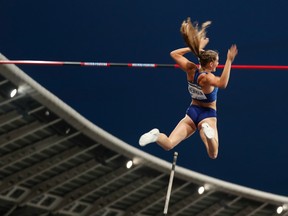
(168, 148)
(213, 155)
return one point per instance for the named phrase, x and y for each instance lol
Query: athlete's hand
(232, 52)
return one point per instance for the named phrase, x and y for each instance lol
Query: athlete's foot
(149, 137)
(208, 131)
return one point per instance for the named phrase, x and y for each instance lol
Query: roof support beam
(38, 168)
(210, 210)
(103, 202)
(59, 179)
(24, 131)
(184, 204)
(176, 188)
(244, 211)
(15, 115)
(93, 186)
(223, 207)
(20, 154)
(10, 211)
(3, 82)
(147, 201)
(9, 117)
(64, 177)
(127, 194)
(9, 100)
(257, 209)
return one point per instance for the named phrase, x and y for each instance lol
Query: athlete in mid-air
(202, 85)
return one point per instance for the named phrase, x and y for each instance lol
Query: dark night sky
(126, 102)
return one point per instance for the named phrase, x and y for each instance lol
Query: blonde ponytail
(192, 36)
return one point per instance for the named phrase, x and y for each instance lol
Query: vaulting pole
(168, 195)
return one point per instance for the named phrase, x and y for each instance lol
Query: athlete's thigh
(183, 130)
(212, 121)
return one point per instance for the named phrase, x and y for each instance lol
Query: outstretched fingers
(232, 52)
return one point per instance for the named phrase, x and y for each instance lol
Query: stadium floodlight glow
(129, 164)
(205, 187)
(201, 190)
(280, 209)
(13, 93)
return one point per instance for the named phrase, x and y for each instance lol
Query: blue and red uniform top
(196, 92)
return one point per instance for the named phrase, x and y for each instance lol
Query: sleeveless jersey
(196, 91)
